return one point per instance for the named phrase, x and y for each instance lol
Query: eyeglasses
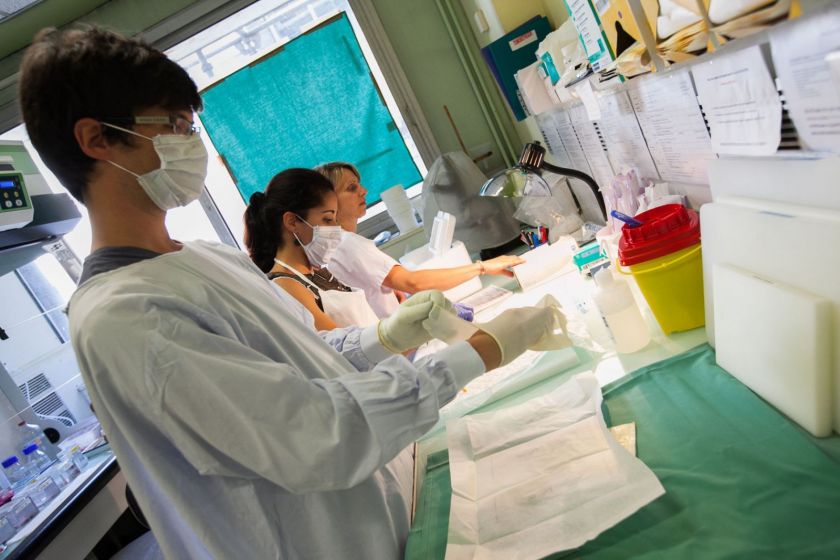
(180, 125)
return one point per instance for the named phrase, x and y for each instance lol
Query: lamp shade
(515, 182)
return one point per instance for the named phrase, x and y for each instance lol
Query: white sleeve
(358, 258)
(233, 411)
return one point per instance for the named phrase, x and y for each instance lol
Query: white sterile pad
(541, 477)
(542, 263)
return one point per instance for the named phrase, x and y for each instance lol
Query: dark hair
(294, 190)
(91, 72)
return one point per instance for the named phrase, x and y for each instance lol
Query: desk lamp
(524, 178)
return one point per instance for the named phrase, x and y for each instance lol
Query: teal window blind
(310, 101)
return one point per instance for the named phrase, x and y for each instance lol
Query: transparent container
(16, 473)
(78, 458)
(65, 472)
(7, 530)
(42, 491)
(34, 459)
(29, 434)
(615, 301)
(19, 511)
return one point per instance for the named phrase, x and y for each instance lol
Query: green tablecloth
(741, 480)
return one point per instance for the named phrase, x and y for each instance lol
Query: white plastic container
(443, 230)
(616, 303)
(405, 220)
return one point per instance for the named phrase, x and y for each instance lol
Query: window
(246, 37)
(184, 224)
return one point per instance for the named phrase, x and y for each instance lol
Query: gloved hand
(404, 330)
(523, 328)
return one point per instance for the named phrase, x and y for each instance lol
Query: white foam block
(776, 339)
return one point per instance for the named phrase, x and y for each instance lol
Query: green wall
(427, 55)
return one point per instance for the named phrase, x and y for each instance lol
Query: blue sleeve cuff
(371, 347)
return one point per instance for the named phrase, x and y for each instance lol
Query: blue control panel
(12, 192)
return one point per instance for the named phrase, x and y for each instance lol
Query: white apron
(346, 309)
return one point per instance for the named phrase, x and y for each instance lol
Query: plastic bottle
(616, 303)
(34, 459)
(29, 434)
(15, 471)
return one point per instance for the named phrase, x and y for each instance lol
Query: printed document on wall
(564, 128)
(553, 143)
(626, 144)
(540, 477)
(590, 142)
(741, 103)
(813, 98)
(674, 128)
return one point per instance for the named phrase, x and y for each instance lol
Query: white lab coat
(359, 264)
(241, 432)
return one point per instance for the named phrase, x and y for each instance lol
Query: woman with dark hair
(291, 233)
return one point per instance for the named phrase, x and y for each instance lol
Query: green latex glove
(404, 329)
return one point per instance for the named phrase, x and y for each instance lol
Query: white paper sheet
(540, 477)
(590, 142)
(674, 128)
(533, 90)
(812, 99)
(626, 144)
(741, 103)
(590, 101)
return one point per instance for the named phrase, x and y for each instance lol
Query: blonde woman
(358, 263)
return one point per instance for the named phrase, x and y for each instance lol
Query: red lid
(664, 230)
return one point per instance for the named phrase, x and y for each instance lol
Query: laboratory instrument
(524, 178)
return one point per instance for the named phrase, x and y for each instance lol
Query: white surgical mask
(183, 168)
(325, 240)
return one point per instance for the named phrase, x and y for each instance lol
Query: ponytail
(261, 241)
(294, 190)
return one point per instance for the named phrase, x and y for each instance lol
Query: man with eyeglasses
(242, 432)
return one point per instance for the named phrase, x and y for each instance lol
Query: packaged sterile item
(616, 303)
(19, 512)
(66, 472)
(486, 297)
(7, 530)
(42, 491)
(78, 458)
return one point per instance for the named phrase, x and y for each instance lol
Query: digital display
(5, 184)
